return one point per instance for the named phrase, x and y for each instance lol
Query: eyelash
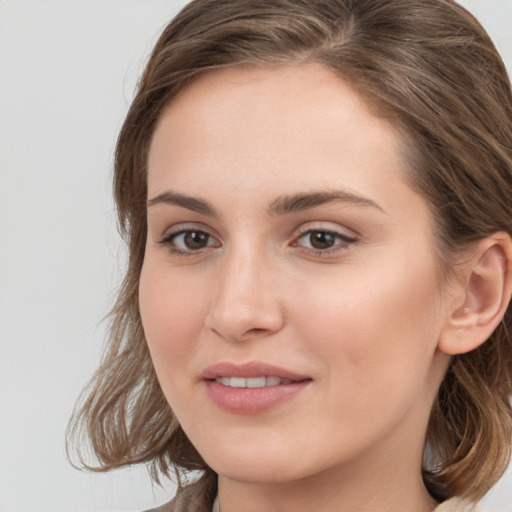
(346, 241)
(169, 239)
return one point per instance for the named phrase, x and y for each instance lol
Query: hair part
(433, 72)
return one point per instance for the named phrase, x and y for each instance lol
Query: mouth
(254, 373)
(252, 382)
(251, 388)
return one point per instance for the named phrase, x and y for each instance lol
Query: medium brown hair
(429, 67)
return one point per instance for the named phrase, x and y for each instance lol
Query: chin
(252, 463)
(260, 473)
(264, 465)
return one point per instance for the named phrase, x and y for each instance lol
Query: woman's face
(289, 294)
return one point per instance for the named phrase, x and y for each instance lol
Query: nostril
(256, 330)
(242, 320)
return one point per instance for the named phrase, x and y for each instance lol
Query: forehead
(298, 126)
(270, 97)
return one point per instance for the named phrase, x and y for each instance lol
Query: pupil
(322, 240)
(196, 240)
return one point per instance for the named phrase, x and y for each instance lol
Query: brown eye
(195, 240)
(321, 239)
(189, 241)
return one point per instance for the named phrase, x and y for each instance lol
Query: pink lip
(247, 370)
(251, 400)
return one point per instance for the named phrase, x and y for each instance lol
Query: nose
(246, 302)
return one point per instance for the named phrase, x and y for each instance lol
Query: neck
(382, 481)
(328, 493)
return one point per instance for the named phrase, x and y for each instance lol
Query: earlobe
(486, 286)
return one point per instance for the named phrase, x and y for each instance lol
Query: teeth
(256, 382)
(237, 382)
(273, 381)
(251, 382)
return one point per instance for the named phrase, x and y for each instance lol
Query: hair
(429, 67)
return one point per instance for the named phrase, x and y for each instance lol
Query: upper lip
(248, 370)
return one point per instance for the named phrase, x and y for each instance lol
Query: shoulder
(457, 505)
(188, 499)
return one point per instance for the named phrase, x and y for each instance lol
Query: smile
(252, 382)
(252, 388)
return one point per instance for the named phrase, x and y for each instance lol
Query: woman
(316, 198)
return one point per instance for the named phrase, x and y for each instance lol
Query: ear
(481, 296)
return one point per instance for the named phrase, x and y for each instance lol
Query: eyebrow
(191, 203)
(303, 201)
(281, 206)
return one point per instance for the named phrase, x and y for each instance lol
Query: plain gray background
(67, 74)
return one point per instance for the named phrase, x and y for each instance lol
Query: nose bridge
(245, 301)
(240, 272)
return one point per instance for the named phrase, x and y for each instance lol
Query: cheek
(375, 327)
(172, 318)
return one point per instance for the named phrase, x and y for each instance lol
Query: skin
(362, 318)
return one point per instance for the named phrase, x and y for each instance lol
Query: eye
(192, 240)
(189, 241)
(323, 241)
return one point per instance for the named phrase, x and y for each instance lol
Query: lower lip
(252, 400)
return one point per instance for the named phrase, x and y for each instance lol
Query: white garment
(457, 505)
